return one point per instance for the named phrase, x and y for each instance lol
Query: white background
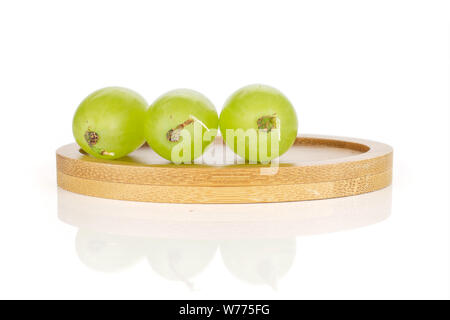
(370, 69)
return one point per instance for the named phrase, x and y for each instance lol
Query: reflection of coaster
(315, 167)
(223, 221)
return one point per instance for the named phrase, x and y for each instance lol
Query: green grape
(180, 125)
(258, 123)
(108, 124)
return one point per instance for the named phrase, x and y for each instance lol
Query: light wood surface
(316, 167)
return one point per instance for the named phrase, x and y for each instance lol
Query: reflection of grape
(108, 124)
(180, 259)
(259, 261)
(106, 253)
(177, 111)
(260, 109)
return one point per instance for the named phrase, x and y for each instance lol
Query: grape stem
(106, 153)
(267, 123)
(92, 138)
(173, 135)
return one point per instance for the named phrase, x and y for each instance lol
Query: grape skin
(178, 113)
(108, 124)
(258, 108)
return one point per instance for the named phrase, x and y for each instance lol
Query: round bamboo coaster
(316, 167)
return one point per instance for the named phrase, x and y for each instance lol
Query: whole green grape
(108, 123)
(180, 124)
(258, 123)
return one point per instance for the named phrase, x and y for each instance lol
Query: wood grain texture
(316, 167)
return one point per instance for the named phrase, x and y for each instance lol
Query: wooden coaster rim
(376, 159)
